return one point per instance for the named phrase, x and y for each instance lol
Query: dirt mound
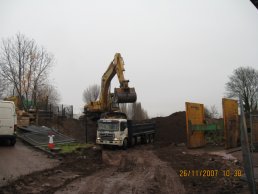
(171, 129)
(133, 171)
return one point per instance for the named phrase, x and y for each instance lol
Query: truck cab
(8, 122)
(112, 132)
(115, 129)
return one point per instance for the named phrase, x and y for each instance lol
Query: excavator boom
(123, 94)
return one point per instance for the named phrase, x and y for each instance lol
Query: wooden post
(86, 128)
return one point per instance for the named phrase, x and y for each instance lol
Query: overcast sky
(174, 50)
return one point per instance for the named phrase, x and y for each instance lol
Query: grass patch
(70, 147)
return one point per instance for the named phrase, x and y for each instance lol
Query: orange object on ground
(51, 144)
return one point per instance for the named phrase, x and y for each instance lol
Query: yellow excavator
(108, 102)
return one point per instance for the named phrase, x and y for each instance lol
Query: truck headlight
(98, 138)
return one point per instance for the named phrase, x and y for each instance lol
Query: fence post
(62, 108)
(50, 110)
(86, 128)
(251, 128)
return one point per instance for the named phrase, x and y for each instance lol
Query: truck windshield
(108, 126)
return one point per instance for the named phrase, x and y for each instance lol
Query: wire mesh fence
(50, 111)
(62, 110)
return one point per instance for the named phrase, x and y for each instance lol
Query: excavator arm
(123, 94)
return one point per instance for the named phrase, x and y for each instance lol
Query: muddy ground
(200, 172)
(167, 166)
(142, 169)
(136, 170)
(72, 166)
(14, 161)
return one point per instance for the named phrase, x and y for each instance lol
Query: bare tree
(127, 109)
(244, 83)
(2, 87)
(211, 112)
(138, 113)
(24, 66)
(134, 111)
(130, 111)
(48, 94)
(91, 94)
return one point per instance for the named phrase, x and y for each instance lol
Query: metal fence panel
(247, 157)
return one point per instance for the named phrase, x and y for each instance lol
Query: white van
(8, 122)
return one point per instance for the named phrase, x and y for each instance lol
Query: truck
(115, 129)
(8, 122)
(113, 126)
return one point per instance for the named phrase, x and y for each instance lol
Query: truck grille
(107, 136)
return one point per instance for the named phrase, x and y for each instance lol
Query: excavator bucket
(125, 95)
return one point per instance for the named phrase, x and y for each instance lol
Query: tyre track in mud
(136, 170)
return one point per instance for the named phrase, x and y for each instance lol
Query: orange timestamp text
(210, 173)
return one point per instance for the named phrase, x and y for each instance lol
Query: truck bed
(136, 128)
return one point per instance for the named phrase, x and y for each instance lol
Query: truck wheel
(12, 142)
(151, 138)
(147, 139)
(133, 141)
(125, 144)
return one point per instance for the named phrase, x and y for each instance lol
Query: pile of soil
(171, 129)
(137, 170)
